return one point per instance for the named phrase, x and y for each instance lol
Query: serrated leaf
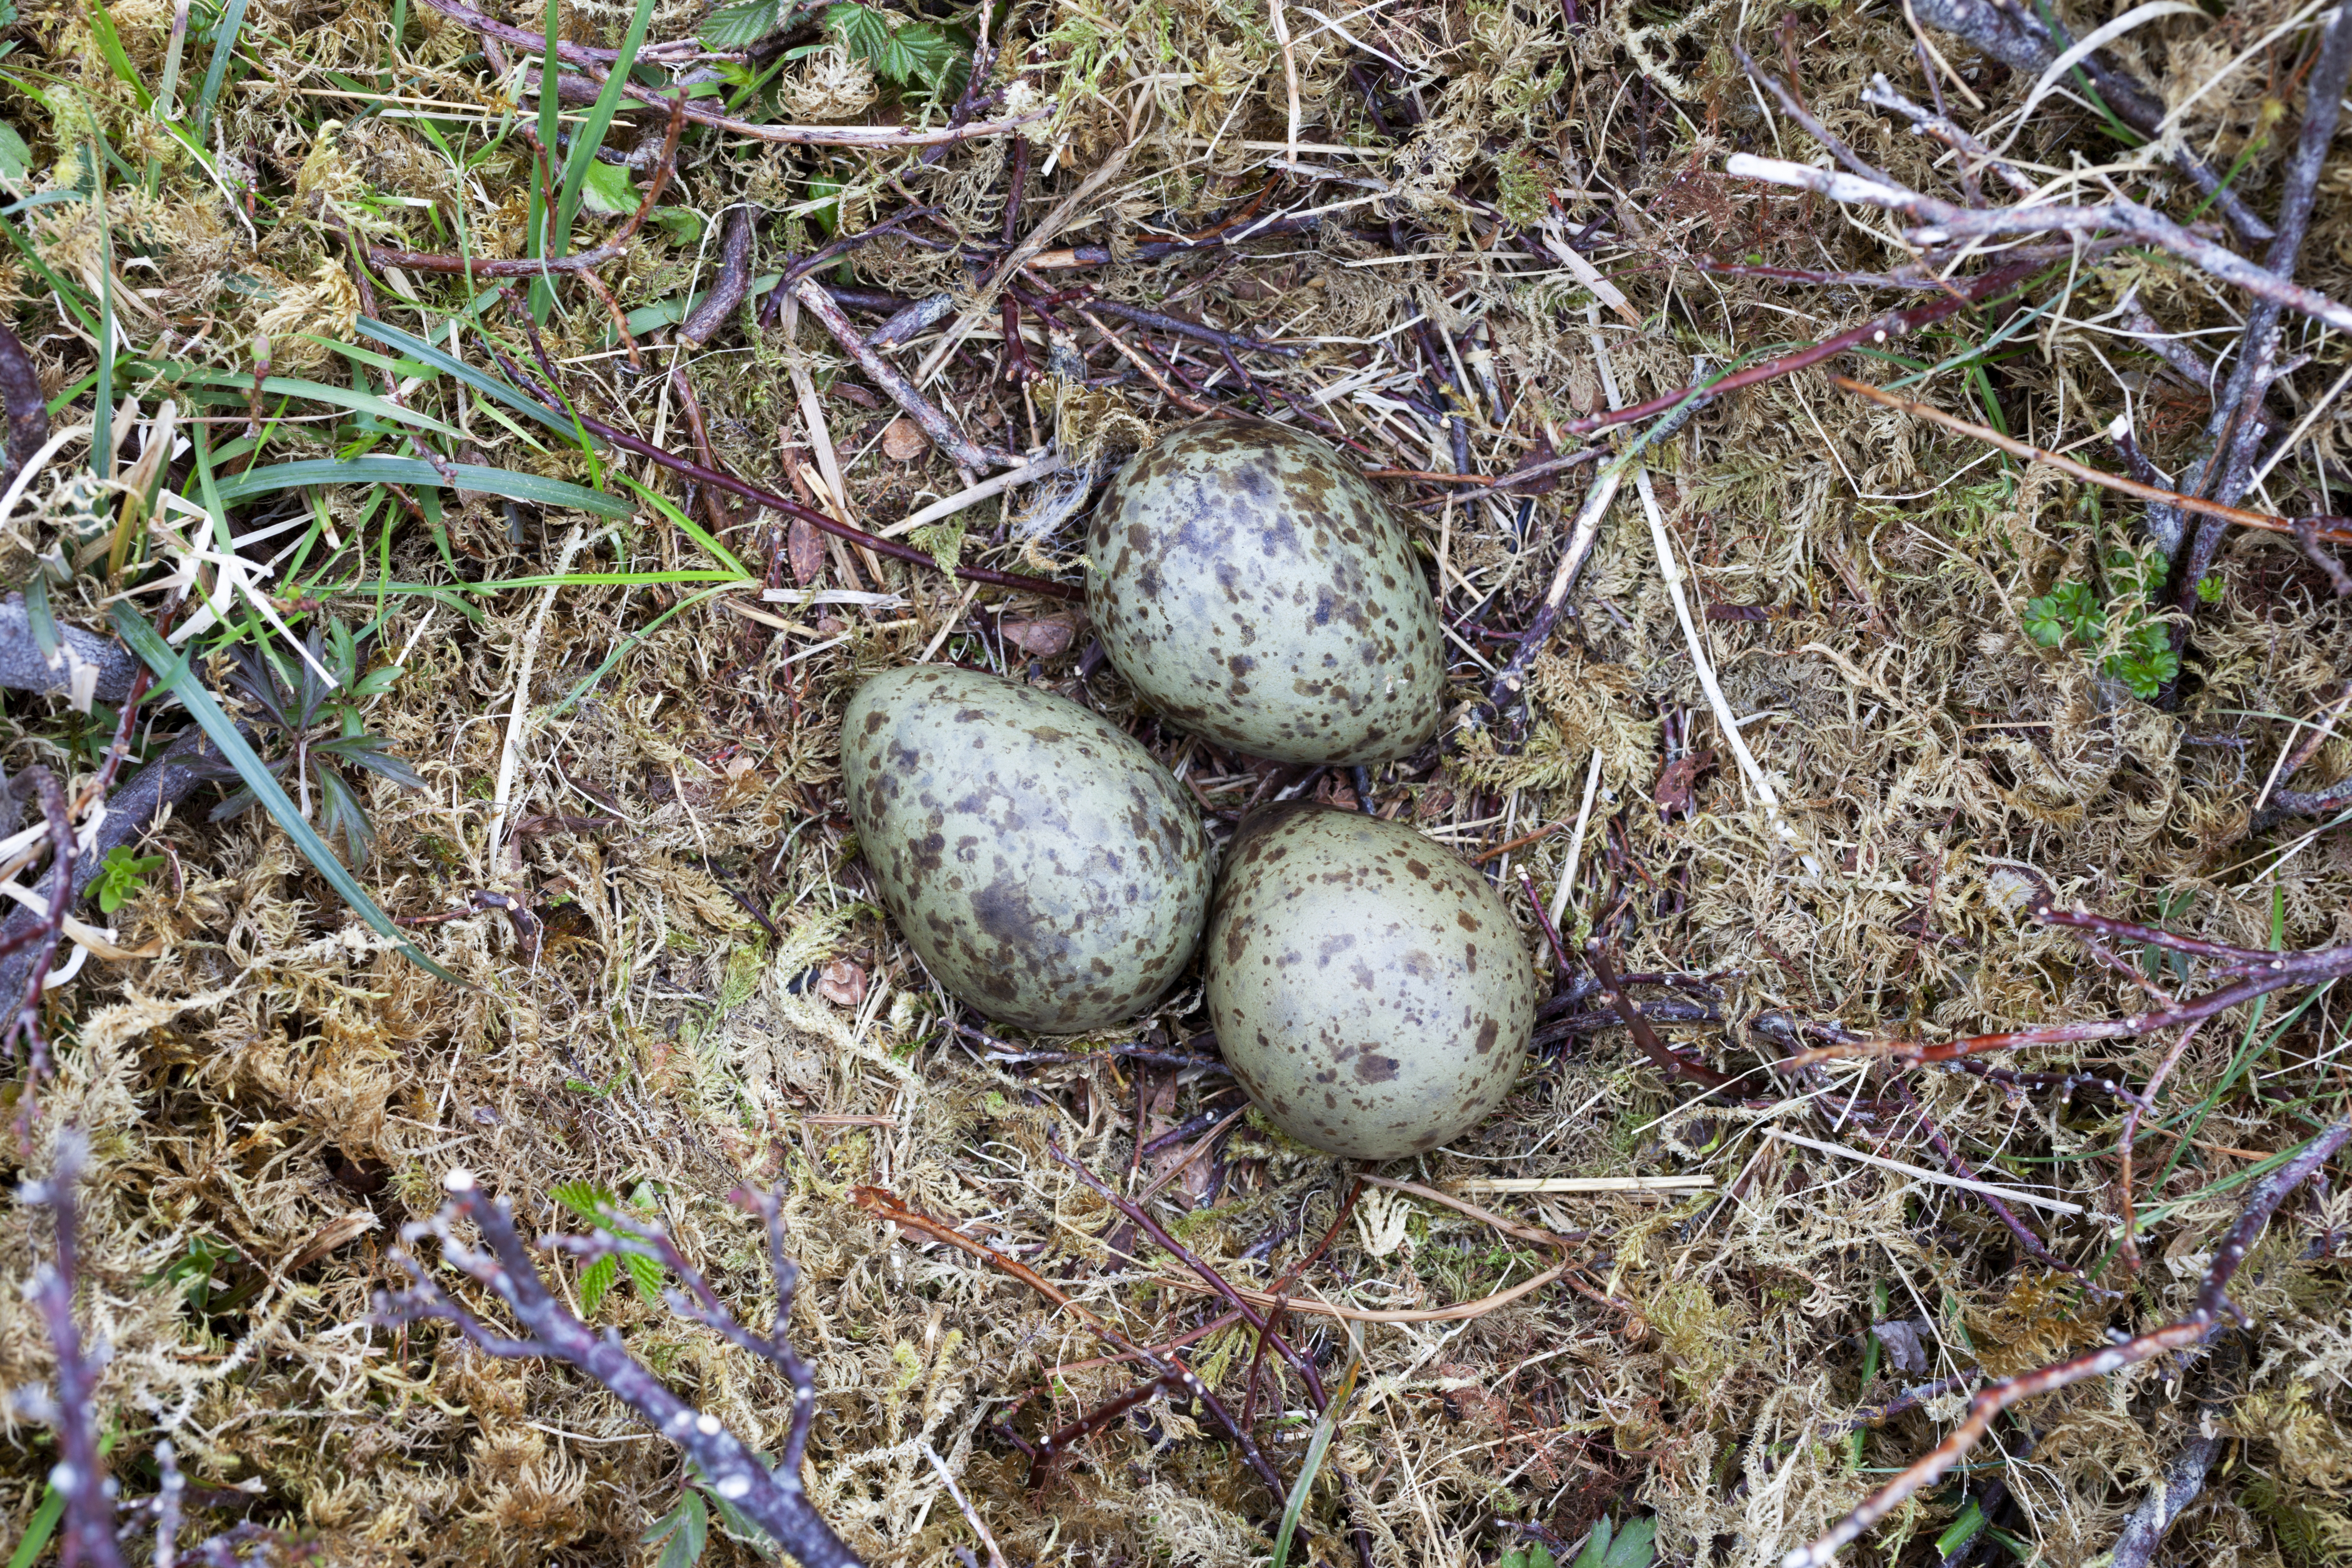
(607, 188)
(740, 26)
(586, 1199)
(645, 1274)
(1634, 1546)
(594, 1281)
(680, 1534)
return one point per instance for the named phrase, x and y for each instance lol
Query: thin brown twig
(769, 498)
(945, 433)
(2117, 482)
(2213, 1306)
(882, 1202)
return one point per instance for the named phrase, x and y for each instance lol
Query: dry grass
(279, 1069)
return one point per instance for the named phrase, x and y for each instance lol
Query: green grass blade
(588, 137)
(143, 640)
(686, 524)
(37, 1534)
(505, 482)
(225, 37)
(110, 48)
(601, 670)
(425, 354)
(355, 398)
(1327, 1427)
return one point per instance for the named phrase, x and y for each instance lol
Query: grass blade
(590, 136)
(225, 37)
(532, 488)
(1327, 1427)
(143, 640)
(425, 354)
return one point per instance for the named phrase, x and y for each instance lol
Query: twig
(28, 410)
(1597, 954)
(882, 1202)
(769, 498)
(729, 289)
(1142, 1218)
(2236, 426)
(1982, 1188)
(2025, 37)
(1942, 223)
(2213, 1306)
(774, 1498)
(2117, 482)
(1920, 1174)
(1160, 321)
(79, 1476)
(1877, 330)
(944, 432)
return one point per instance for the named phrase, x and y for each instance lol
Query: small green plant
(1606, 1547)
(2073, 612)
(119, 876)
(319, 724)
(923, 55)
(597, 1205)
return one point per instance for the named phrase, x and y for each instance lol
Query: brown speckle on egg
(1416, 997)
(1045, 867)
(1233, 535)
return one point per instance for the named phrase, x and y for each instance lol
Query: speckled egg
(1368, 987)
(1250, 583)
(1046, 869)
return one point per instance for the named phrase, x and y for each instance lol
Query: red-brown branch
(2213, 1305)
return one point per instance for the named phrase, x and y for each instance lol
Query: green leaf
(143, 639)
(15, 158)
(1961, 1531)
(1535, 1554)
(36, 1533)
(680, 1534)
(595, 1279)
(608, 189)
(2043, 623)
(1634, 1546)
(1327, 1427)
(417, 471)
(646, 1275)
(683, 224)
(119, 876)
(740, 26)
(589, 1200)
(425, 354)
(349, 398)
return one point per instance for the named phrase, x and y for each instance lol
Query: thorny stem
(2213, 1305)
(775, 1499)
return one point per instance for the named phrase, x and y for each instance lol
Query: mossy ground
(717, 1000)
